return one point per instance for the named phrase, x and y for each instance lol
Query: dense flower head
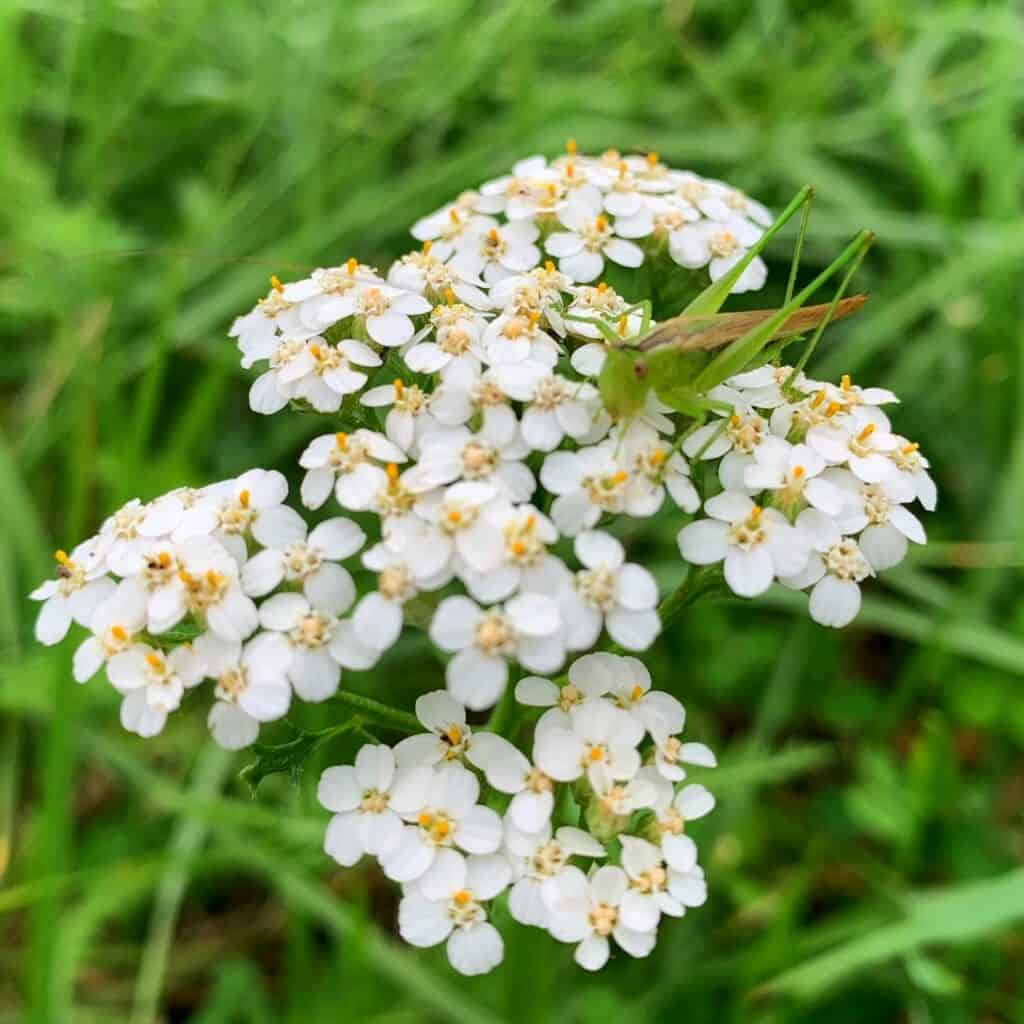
(472, 430)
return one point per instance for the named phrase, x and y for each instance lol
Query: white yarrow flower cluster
(470, 426)
(457, 816)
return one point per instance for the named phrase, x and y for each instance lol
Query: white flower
(127, 534)
(655, 888)
(834, 572)
(628, 683)
(269, 393)
(198, 577)
(672, 812)
(153, 684)
(324, 297)
(719, 247)
(491, 456)
(739, 434)
(441, 803)
(557, 407)
(459, 525)
(538, 858)
(671, 752)
(912, 469)
(757, 544)
(258, 331)
(79, 588)
(581, 250)
(497, 252)
(348, 463)
(251, 685)
(323, 373)
(516, 339)
(314, 671)
(457, 346)
(587, 911)
(311, 562)
(425, 272)
(401, 575)
(250, 505)
(763, 387)
(409, 415)
(858, 441)
(662, 217)
(360, 798)
(599, 735)
(587, 482)
(611, 592)
(453, 221)
(876, 513)
(655, 467)
(448, 737)
(526, 628)
(525, 563)
(385, 311)
(792, 473)
(591, 676)
(114, 625)
(462, 396)
(509, 771)
(449, 908)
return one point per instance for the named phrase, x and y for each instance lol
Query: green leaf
(955, 915)
(288, 758)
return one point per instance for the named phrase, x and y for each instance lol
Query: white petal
(475, 950)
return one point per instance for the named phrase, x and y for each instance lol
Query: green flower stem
(383, 714)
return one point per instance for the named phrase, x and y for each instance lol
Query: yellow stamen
(462, 897)
(602, 287)
(845, 382)
(519, 548)
(342, 439)
(652, 159)
(454, 735)
(392, 472)
(154, 660)
(756, 513)
(552, 190)
(119, 633)
(623, 325)
(442, 828)
(531, 521)
(244, 498)
(164, 559)
(317, 351)
(275, 283)
(636, 693)
(533, 316)
(549, 267)
(658, 456)
(908, 448)
(866, 432)
(798, 472)
(494, 236)
(734, 420)
(570, 147)
(449, 296)
(399, 387)
(818, 399)
(455, 516)
(351, 265)
(832, 408)
(620, 477)
(601, 223)
(570, 170)
(214, 578)
(623, 168)
(425, 818)
(60, 556)
(453, 215)
(596, 754)
(185, 576)
(427, 246)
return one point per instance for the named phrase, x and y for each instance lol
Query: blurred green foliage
(160, 158)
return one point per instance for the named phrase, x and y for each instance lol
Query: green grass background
(158, 160)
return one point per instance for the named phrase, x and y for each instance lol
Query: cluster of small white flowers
(485, 465)
(459, 816)
(167, 591)
(815, 489)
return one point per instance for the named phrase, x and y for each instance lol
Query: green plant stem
(374, 711)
